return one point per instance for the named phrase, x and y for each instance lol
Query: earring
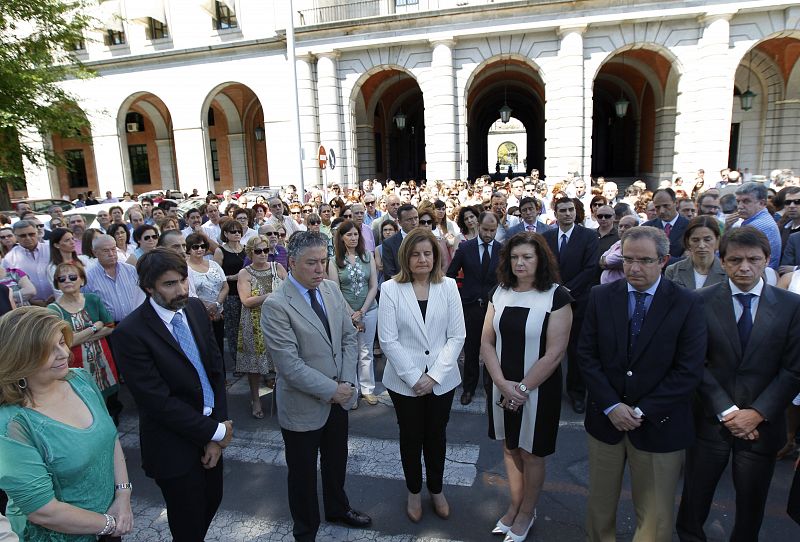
(22, 384)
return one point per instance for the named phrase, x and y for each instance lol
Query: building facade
(200, 93)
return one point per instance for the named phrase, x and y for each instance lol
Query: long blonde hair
(27, 336)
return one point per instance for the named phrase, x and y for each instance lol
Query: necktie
(637, 319)
(485, 259)
(667, 229)
(530, 227)
(189, 348)
(318, 309)
(562, 249)
(745, 323)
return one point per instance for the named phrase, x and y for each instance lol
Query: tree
(37, 38)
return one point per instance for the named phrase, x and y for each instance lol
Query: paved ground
(255, 508)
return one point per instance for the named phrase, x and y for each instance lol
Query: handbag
(276, 280)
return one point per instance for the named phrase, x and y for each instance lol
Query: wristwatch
(522, 387)
(94, 328)
(125, 485)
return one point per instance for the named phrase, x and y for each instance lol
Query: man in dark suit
(673, 224)
(576, 249)
(529, 218)
(791, 254)
(408, 219)
(752, 372)
(313, 343)
(641, 353)
(478, 259)
(170, 361)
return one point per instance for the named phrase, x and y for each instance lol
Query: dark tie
(667, 229)
(189, 348)
(485, 260)
(745, 323)
(320, 312)
(563, 248)
(637, 319)
(531, 227)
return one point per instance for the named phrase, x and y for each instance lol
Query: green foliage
(37, 38)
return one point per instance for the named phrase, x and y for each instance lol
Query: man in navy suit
(673, 224)
(408, 219)
(529, 214)
(641, 353)
(169, 358)
(576, 249)
(477, 258)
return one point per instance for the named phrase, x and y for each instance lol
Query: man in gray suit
(313, 344)
(529, 210)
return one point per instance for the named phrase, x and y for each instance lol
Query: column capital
(332, 55)
(717, 15)
(306, 57)
(449, 42)
(571, 29)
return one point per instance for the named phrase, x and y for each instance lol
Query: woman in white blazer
(421, 332)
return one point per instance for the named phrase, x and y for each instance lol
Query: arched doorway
(233, 123)
(633, 121)
(390, 127)
(76, 171)
(505, 82)
(148, 150)
(766, 108)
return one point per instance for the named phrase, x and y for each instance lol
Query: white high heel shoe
(511, 537)
(501, 528)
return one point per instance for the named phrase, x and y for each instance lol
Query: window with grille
(215, 160)
(401, 3)
(76, 168)
(211, 116)
(225, 17)
(140, 165)
(114, 37)
(156, 30)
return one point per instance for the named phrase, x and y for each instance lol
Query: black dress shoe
(351, 518)
(466, 398)
(579, 406)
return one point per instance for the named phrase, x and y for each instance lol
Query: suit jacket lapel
(619, 313)
(662, 300)
(334, 319)
(157, 325)
(765, 314)
(722, 309)
(413, 305)
(298, 301)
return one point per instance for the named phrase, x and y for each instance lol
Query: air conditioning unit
(132, 127)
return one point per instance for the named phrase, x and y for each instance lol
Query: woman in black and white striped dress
(524, 338)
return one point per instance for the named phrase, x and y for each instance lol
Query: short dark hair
(141, 230)
(484, 214)
(404, 209)
(700, 221)
(146, 198)
(668, 191)
(165, 236)
(193, 211)
(460, 219)
(112, 231)
(744, 236)
(527, 199)
(561, 201)
(152, 265)
(195, 239)
(546, 267)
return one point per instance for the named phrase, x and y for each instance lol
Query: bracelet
(126, 485)
(111, 525)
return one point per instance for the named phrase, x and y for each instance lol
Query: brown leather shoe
(414, 507)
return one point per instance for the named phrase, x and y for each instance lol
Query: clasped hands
(512, 397)
(623, 418)
(742, 423)
(344, 392)
(424, 385)
(213, 450)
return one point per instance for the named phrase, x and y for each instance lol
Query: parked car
(192, 203)
(89, 212)
(40, 206)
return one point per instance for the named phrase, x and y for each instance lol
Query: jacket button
(629, 373)
(427, 353)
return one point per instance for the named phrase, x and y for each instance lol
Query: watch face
(523, 388)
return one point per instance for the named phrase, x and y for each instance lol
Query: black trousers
(705, 463)
(576, 387)
(474, 315)
(192, 501)
(219, 334)
(423, 431)
(302, 449)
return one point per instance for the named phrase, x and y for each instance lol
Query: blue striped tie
(189, 348)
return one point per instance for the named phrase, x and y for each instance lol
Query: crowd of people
(676, 310)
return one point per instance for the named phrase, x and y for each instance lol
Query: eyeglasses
(347, 216)
(153, 237)
(426, 222)
(281, 235)
(67, 278)
(307, 210)
(313, 222)
(605, 217)
(270, 233)
(597, 204)
(792, 202)
(260, 251)
(234, 232)
(200, 246)
(627, 260)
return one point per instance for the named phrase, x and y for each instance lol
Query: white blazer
(412, 345)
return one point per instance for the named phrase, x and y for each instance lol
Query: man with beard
(169, 358)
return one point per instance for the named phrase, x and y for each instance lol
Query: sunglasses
(307, 210)
(792, 202)
(260, 251)
(200, 246)
(426, 222)
(369, 203)
(67, 278)
(40, 226)
(347, 216)
(281, 235)
(313, 222)
(605, 217)
(295, 212)
(270, 233)
(234, 232)
(153, 237)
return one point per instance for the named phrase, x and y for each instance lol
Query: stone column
(567, 129)
(788, 140)
(309, 130)
(41, 180)
(111, 163)
(166, 165)
(441, 130)
(192, 173)
(330, 116)
(705, 102)
(238, 156)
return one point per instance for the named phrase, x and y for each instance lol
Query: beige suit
(307, 362)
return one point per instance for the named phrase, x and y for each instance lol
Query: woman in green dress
(60, 459)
